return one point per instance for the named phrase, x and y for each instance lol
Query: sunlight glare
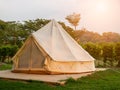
(101, 7)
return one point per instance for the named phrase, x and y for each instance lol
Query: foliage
(68, 29)
(85, 36)
(102, 80)
(33, 25)
(110, 36)
(108, 53)
(117, 53)
(15, 33)
(93, 49)
(5, 66)
(7, 52)
(73, 19)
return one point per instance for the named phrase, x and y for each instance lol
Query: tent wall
(31, 58)
(69, 67)
(53, 67)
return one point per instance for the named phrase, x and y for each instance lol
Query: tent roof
(59, 45)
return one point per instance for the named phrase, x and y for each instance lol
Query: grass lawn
(5, 66)
(102, 80)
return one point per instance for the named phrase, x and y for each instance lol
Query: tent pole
(31, 52)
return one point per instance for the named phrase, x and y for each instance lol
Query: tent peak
(53, 19)
(59, 45)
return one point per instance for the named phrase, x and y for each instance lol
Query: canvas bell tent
(52, 50)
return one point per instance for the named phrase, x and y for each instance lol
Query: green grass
(102, 80)
(5, 66)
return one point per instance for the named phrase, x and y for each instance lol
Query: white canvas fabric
(59, 45)
(52, 50)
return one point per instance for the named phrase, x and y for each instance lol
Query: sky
(96, 15)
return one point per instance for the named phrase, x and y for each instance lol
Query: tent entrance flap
(31, 57)
(24, 56)
(38, 58)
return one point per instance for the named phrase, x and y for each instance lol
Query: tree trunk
(75, 27)
(118, 65)
(3, 59)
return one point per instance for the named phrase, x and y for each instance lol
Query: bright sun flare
(101, 7)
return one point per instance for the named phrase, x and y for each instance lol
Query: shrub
(7, 52)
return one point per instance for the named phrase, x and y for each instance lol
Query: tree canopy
(73, 19)
(16, 32)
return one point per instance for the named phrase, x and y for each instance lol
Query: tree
(73, 19)
(68, 29)
(117, 53)
(33, 25)
(108, 53)
(93, 49)
(110, 37)
(3, 26)
(85, 36)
